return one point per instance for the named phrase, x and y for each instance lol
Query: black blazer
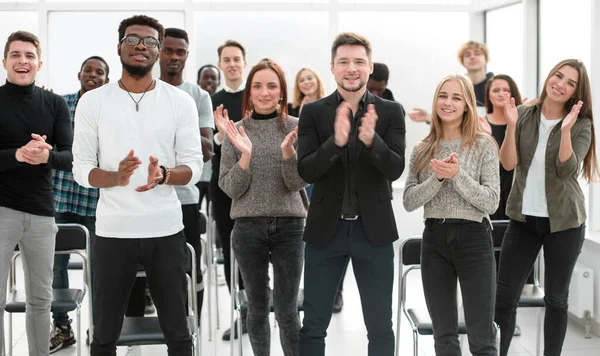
(323, 164)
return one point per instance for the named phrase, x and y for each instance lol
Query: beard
(137, 72)
(360, 85)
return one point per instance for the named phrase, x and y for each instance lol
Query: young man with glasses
(135, 140)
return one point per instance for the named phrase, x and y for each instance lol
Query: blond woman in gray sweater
(454, 175)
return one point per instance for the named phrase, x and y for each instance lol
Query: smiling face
(307, 83)
(232, 63)
(209, 79)
(173, 55)
(265, 91)
(138, 60)
(450, 104)
(92, 75)
(561, 86)
(351, 67)
(21, 63)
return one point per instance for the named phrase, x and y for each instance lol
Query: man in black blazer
(350, 144)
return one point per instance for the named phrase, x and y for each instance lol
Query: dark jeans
(374, 272)
(191, 229)
(221, 207)
(460, 249)
(61, 262)
(115, 268)
(255, 242)
(520, 248)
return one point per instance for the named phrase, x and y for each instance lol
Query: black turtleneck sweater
(233, 103)
(26, 110)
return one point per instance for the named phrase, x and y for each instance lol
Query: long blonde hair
(469, 125)
(298, 95)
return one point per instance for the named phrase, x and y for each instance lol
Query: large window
(504, 38)
(293, 40)
(68, 48)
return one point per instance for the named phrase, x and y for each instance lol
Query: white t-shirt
(190, 194)
(108, 127)
(534, 195)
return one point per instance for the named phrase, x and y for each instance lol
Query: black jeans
(115, 268)
(256, 241)
(460, 249)
(191, 229)
(374, 272)
(520, 247)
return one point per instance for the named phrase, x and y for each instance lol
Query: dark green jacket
(566, 206)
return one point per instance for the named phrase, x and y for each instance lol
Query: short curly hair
(141, 20)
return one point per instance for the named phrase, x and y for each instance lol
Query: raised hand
(221, 120)
(419, 115)
(126, 168)
(571, 117)
(155, 176)
(366, 131)
(239, 138)
(484, 125)
(342, 127)
(510, 110)
(287, 145)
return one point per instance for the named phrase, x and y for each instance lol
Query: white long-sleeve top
(108, 127)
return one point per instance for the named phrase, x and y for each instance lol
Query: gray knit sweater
(472, 194)
(271, 187)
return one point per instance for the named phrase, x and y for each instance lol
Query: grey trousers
(36, 236)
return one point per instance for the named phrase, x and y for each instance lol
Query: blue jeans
(374, 272)
(61, 262)
(460, 249)
(255, 241)
(520, 248)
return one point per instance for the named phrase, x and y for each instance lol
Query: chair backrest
(410, 251)
(71, 237)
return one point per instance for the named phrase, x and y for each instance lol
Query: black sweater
(233, 103)
(26, 110)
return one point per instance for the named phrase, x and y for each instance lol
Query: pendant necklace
(137, 103)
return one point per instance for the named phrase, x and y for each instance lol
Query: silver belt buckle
(351, 217)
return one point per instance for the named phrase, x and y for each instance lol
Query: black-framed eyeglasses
(149, 42)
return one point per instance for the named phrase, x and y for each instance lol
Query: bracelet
(167, 175)
(164, 174)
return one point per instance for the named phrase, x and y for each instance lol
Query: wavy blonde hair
(298, 95)
(469, 125)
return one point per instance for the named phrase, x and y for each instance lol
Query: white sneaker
(134, 351)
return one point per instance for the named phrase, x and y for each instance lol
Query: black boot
(227, 333)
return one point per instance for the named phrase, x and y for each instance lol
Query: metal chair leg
(415, 343)
(10, 335)
(233, 293)
(79, 330)
(538, 338)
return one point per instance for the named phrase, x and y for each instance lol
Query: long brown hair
(247, 107)
(298, 95)
(514, 91)
(469, 126)
(583, 92)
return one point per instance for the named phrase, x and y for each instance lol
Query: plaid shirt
(70, 197)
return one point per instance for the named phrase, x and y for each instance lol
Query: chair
(532, 295)
(418, 318)
(239, 303)
(215, 258)
(70, 238)
(147, 331)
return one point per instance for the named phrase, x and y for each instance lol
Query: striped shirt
(70, 197)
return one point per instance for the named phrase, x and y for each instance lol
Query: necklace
(137, 103)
